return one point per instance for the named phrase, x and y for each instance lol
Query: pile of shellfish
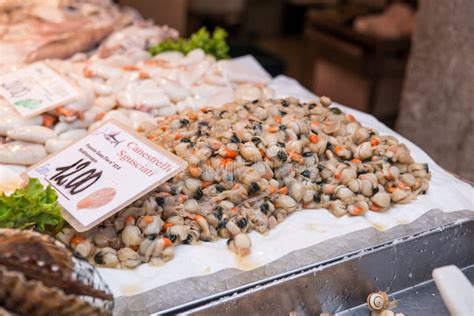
(250, 165)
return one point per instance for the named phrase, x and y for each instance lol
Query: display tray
(402, 267)
(228, 284)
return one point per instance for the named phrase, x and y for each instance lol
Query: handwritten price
(81, 181)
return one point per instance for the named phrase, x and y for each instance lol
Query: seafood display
(250, 165)
(41, 276)
(35, 30)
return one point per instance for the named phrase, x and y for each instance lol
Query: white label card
(35, 89)
(104, 172)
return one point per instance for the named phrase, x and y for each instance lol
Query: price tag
(35, 89)
(104, 172)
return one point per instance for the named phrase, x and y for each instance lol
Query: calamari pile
(121, 81)
(250, 165)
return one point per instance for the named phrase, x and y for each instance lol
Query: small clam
(358, 208)
(150, 224)
(419, 170)
(66, 234)
(107, 257)
(128, 257)
(296, 190)
(361, 135)
(272, 151)
(308, 196)
(294, 146)
(382, 199)
(250, 152)
(408, 179)
(328, 189)
(400, 196)
(150, 205)
(354, 185)
(240, 244)
(152, 247)
(175, 220)
(179, 231)
(232, 228)
(85, 248)
(249, 175)
(167, 254)
(104, 236)
(343, 192)
(347, 175)
(191, 206)
(204, 225)
(286, 202)
(191, 185)
(363, 151)
(343, 152)
(131, 235)
(325, 101)
(390, 172)
(337, 208)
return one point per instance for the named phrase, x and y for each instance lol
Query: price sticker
(35, 89)
(104, 172)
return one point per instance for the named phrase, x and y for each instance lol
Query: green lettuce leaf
(31, 207)
(215, 45)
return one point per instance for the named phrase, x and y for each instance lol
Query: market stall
(211, 178)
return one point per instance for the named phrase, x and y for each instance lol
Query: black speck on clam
(253, 188)
(242, 222)
(282, 156)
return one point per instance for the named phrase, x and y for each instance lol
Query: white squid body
(33, 133)
(12, 120)
(144, 93)
(21, 153)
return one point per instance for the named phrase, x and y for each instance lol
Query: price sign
(35, 89)
(104, 172)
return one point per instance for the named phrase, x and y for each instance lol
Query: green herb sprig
(214, 44)
(31, 207)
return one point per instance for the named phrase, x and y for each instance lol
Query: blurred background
(409, 63)
(354, 51)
